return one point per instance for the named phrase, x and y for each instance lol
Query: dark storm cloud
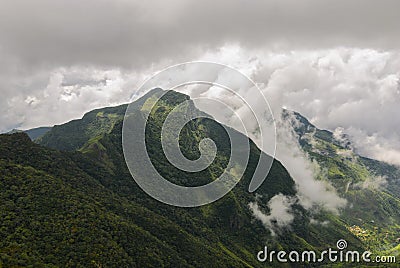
(136, 33)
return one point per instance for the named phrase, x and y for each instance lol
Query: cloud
(355, 89)
(138, 33)
(311, 192)
(317, 222)
(377, 182)
(378, 144)
(336, 62)
(45, 99)
(280, 212)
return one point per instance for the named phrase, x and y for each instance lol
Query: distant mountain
(372, 187)
(70, 201)
(33, 133)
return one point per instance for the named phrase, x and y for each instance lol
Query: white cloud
(355, 89)
(280, 214)
(311, 191)
(377, 182)
(138, 33)
(64, 94)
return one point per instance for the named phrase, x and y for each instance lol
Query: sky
(335, 62)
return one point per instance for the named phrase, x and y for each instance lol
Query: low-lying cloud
(280, 212)
(311, 192)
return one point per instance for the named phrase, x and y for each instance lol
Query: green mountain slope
(370, 186)
(73, 135)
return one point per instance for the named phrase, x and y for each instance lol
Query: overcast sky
(337, 62)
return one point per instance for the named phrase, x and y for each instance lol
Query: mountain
(33, 133)
(371, 187)
(68, 200)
